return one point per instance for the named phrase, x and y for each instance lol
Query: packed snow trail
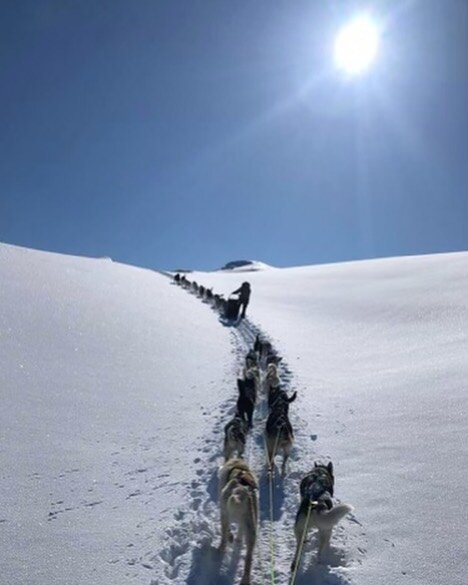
(193, 538)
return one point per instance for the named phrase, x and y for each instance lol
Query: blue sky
(188, 133)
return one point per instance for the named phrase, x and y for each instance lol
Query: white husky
(272, 379)
(322, 519)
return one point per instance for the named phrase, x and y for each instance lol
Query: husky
(273, 358)
(266, 353)
(257, 344)
(235, 437)
(262, 349)
(222, 306)
(251, 359)
(252, 372)
(316, 509)
(246, 400)
(239, 505)
(279, 436)
(277, 397)
(272, 379)
(218, 301)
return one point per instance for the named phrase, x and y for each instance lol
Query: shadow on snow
(264, 495)
(311, 573)
(208, 568)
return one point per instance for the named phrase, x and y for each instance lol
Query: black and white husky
(317, 510)
(279, 435)
(239, 505)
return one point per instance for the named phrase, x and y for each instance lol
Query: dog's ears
(315, 464)
(330, 468)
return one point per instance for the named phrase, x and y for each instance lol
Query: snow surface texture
(116, 386)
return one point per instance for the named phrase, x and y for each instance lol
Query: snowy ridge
(192, 541)
(245, 266)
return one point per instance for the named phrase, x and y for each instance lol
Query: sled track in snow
(190, 554)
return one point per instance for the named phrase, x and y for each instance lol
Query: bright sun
(356, 45)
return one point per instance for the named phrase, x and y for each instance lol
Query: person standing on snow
(244, 296)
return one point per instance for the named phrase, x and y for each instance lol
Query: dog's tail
(328, 519)
(293, 397)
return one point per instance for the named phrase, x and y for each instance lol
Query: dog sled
(231, 312)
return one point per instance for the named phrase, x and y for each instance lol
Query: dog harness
(244, 477)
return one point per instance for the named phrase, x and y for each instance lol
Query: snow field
(116, 387)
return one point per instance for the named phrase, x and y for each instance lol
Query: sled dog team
(238, 485)
(218, 302)
(206, 294)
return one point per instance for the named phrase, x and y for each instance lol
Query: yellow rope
(299, 555)
(272, 540)
(259, 548)
(270, 485)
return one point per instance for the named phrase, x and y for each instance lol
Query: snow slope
(380, 357)
(110, 379)
(116, 385)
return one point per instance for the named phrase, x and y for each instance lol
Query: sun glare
(356, 45)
